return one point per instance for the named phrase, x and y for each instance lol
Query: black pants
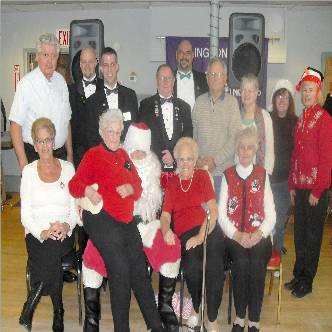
(193, 270)
(308, 234)
(248, 276)
(32, 155)
(44, 263)
(121, 247)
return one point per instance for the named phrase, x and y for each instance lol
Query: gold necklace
(191, 180)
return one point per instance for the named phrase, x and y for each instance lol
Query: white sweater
(42, 202)
(269, 209)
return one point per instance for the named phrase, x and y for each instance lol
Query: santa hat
(311, 75)
(138, 138)
(281, 84)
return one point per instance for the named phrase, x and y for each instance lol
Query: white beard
(150, 201)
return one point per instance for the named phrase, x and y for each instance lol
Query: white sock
(251, 324)
(239, 321)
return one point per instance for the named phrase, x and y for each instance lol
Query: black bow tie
(110, 91)
(166, 100)
(87, 83)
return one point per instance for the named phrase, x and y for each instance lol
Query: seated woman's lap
(44, 261)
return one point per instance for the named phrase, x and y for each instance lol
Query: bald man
(85, 86)
(189, 83)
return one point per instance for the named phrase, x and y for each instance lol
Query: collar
(111, 88)
(160, 96)
(107, 148)
(41, 73)
(221, 97)
(90, 79)
(244, 172)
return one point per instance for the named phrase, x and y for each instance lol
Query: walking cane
(202, 328)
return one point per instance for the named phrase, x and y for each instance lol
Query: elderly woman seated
(247, 217)
(48, 214)
(112, 230)
(185, 194)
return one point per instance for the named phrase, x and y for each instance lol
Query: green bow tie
(182, 75)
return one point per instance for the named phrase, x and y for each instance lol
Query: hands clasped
(248, 240)
(56, 231)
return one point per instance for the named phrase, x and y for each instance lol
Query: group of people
(144, 174)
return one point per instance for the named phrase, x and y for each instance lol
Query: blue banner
(201, 46)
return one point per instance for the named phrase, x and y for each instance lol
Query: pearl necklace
(191, 180)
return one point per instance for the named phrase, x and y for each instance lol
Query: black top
(283, 129)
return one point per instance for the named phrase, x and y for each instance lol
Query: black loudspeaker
(84, 33)
(246, 37)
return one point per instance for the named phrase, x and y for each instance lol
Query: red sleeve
(168, 204)
(325, 156)
(207, 188)
(83, 176)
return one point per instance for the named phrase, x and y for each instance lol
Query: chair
(72, 262)
(275, 264)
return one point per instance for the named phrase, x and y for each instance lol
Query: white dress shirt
(269, 209)
(89, 89)
(167, 111)
(186, 89)
(112, 99)
(37, 97)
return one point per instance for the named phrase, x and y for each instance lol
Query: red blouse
(186, 206)
(109, 169)
(311, 160)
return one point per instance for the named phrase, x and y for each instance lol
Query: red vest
(245, 205)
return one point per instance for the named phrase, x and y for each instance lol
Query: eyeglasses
(214, 74)
(46, 141)
(183, 160)
(282, 97)
(166, 78)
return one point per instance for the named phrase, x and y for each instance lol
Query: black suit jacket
(78, 118)
(97, 104)
(200, 83)
(150, 112)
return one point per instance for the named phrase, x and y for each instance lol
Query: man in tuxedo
(84, 87)
(189, 83)
(169, 119)
(113, 95)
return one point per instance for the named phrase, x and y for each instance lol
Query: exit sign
(63, 37)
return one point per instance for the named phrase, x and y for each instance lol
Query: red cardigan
(311, 160)
(109, 169)
(186, 206)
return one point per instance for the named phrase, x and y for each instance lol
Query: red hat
(311, 75)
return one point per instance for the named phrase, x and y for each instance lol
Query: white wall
(308, 33)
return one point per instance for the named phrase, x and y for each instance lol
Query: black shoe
(167, 315)
(30, 306)
(301, 290)
(291, 284)
(69, 276)
(92, 309)
(253, 329)
(58, 320)
(237, 328)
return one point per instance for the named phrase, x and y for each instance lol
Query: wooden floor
(310, 314)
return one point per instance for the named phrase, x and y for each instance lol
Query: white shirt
(269, 209)
(269, 142)
(167, 111)
(37, 97)
(186, 89)
(89, 89)
(42, 202)
(112, 99)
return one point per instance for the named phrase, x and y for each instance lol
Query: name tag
(127, 116)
